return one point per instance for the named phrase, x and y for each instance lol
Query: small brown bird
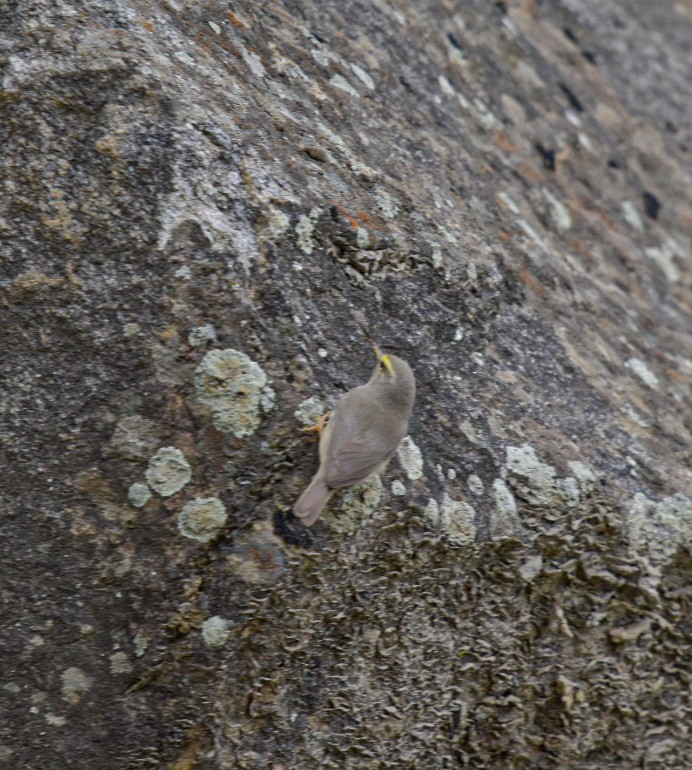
(362, 434)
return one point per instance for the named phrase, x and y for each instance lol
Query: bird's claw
(318, 427)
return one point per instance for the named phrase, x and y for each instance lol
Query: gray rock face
(498, 192)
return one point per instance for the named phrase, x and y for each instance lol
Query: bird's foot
(318, 427)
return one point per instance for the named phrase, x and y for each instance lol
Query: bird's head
(393, 373)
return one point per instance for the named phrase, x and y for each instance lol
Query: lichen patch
(168, 471)
(202, 519)
(411, 458)
(235, 389)
(215, 631)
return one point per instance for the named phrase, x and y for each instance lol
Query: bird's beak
(383, 358)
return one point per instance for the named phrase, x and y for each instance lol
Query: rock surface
(497, 191)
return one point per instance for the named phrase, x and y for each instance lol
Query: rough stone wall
(208, 211)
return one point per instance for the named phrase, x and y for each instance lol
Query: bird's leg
(318, 427)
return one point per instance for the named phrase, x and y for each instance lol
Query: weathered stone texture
(208, 211)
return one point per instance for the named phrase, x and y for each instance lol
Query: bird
(362, 433)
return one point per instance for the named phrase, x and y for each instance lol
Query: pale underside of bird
(362, 434)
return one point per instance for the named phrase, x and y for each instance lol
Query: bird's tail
(312, 501)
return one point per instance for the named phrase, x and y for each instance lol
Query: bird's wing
(355, 462)
(356, 449)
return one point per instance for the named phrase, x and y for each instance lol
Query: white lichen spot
(140, 643)
(568, 490)
(120, 663)
(522, 461)
(131, 330)
(660, 529)
(215, 631)
(235, 388)
(573, 118)
(445, 86)
(215, 27)
(305, 230)
(531, 568)
(309, 411)
(444, 232)
(363, 76)
(322, 353)
(362, 238)
(334, 139)
(437, 257)
(531, 234)
(362, 169)
(464, 102)
(185, 58)
(138, 495)
(508, 202)
(451, 474)
(431, 513)
(631, 413)
(459, 335)
(664, 256)
(201, 335)
(559, 212)
(586, 478)
(168, 471)
(357, 504)
(398, 488)
(276, 223)
(504, 520)
(504, 499)
(488, 120)
(457, 521)
(411, 458)
(585, 142)
(475, 484)
(511, 27)
(456, 56)
(254, 62)
(642, 371)
(55, 720)
(75, 684)
(631, 215)
(388, 206)
(202, 519)
(320, 56)
(183, 272)
(340, 82)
